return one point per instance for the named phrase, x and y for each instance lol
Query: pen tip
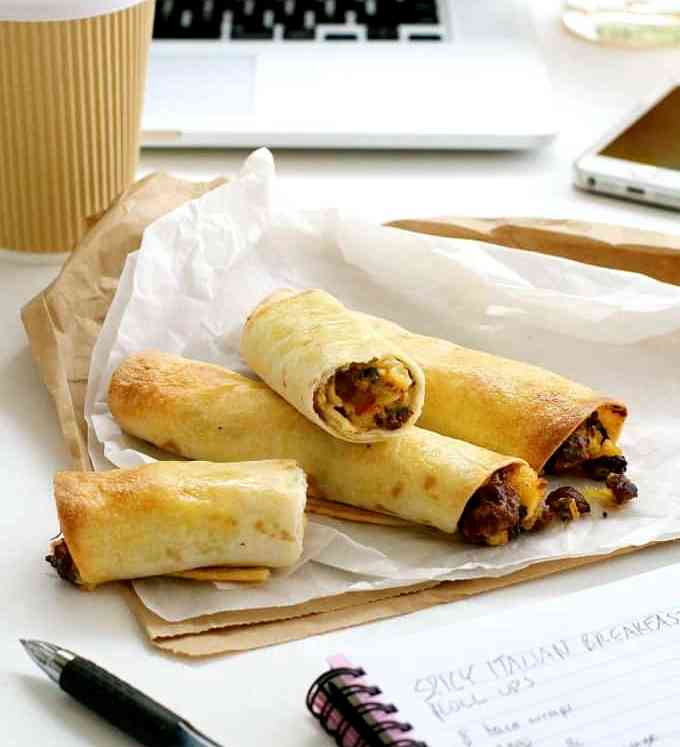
(47, 656)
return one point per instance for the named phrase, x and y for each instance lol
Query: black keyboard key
(420, 11)
(382, 33)
(184, 19)
(387, 13)
(248, 22)
(296, 19)
(299, 34)
(253, 33)
(168, 19)
(358, 7)
(289, 12)
(330, 11)
(248, 12)
(268, 18)
(266, 6)
(370, 9)
(160, 19)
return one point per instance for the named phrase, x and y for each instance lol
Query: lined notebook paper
(596, 668)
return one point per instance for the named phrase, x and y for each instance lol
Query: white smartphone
(640, 159)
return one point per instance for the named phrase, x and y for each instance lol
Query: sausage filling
(62, 561)
(622, 488)
(567, 504)
(369, 395)
(590, 450)
(494, 514)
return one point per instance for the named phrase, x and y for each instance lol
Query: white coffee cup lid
(60, 10)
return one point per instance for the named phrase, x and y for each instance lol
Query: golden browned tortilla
(509, 406)
(202, 411)
(169, 517)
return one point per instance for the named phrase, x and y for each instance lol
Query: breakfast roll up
(167, 517)
(202, 411)
(555, 424)
(332, 366)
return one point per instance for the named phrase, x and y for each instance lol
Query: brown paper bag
(646, 252)
(64, 320)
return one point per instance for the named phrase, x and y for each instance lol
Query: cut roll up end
(510, 501)
(333, 366)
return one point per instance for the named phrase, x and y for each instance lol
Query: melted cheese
(500, 538)
(530, 490)
(599, 446)
(573, 510)
(599, 494)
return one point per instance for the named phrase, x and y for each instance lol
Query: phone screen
(652, 139)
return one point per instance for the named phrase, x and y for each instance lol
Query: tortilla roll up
(169, 517)
(554, 424)
(202, 411)
(332, 367)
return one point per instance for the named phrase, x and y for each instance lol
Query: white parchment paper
(203, 267)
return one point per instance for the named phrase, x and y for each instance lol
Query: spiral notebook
(597, 668)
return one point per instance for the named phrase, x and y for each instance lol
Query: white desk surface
(257, 698)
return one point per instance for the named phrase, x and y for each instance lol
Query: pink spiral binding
(347, 710)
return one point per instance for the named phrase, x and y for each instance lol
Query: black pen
(119, 703)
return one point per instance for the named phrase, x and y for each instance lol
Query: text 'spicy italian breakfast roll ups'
(555, 424)
(175, 516)
(202, 411)
(332, 366)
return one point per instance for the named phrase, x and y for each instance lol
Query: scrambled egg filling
(601, 446)
(369, 395)
(531, 491)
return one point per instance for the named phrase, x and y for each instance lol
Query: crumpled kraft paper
(220, 633)
(63, 321)
(203, 267)
(621, 247)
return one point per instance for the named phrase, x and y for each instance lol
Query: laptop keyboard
(299, 20)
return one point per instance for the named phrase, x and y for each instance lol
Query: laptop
(463, 74)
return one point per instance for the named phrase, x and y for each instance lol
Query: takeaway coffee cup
(72, 76)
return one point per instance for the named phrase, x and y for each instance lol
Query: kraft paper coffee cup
(72, 76)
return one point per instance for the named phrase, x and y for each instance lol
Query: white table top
(257, 698)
